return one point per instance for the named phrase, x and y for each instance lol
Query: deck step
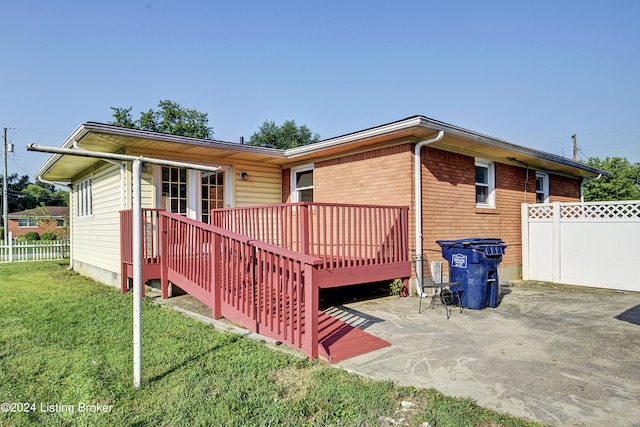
(338, 340)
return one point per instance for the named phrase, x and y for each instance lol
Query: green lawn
(66, 349)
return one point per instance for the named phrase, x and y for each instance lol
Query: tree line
(24, 194)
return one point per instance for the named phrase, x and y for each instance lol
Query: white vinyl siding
(96, 239)
(262, 187)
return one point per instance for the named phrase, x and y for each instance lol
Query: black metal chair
(442, 290)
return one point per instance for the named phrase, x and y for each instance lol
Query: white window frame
(295, 192)
(228, 190)
(545, 186)
(84, 195)
(194, 191)
(491, 184)
(31, 223)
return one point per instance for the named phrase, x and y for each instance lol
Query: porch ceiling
(110, 139)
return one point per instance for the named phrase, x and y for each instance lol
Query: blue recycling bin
(474, 263)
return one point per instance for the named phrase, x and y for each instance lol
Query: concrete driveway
(561, 355)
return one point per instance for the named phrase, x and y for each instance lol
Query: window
(485, 184)
(302, 184)
(83, 192)
(542, 187)
(28, 222)
(60, 222)
(174, 190)
(212, 194)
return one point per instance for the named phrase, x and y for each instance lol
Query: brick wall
(43, 227)
(563, 189)
(385, 176)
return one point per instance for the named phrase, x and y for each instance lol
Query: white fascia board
(400, 126)
(165, 137)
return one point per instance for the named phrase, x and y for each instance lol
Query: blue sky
(530, 72)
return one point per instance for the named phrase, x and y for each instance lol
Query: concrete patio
(561, 355)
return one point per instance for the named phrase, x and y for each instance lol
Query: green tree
(623, 183)
(289, 135)
(46, 195)
(24, 195)
(170, 117)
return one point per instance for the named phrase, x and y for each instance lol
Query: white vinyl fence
(591, 244)
(20, 251)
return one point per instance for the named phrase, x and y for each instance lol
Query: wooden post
(304, 228)
(164, 255)
(216, 274)
(311, 307)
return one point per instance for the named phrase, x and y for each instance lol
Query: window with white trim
(485, 184)
(85, 198)
(302, 184)
(28, 222)
(542, 187)
(174, 189)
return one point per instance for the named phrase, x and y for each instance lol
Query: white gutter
(417, 164)
(586, 181)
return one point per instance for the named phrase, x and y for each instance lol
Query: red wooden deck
(256, 267)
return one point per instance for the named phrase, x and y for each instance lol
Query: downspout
(586, 181)
(417, 164)
(70, 187)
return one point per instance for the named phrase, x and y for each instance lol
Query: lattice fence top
(540, 211)
(590, 211)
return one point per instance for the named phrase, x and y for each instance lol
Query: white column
(137, 272)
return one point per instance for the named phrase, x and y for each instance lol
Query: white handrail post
(137, 272)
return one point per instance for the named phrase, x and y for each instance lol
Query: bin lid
(490, 246)
(472, 242)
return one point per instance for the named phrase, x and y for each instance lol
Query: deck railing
(150, 245)
(342, 235)
(268, 289)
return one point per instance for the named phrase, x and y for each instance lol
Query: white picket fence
(22, 251)
(590, 244)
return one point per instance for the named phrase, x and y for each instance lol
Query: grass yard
(66, 352)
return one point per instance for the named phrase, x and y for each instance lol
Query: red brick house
(317, 226)
(472, 185)
(42, 219)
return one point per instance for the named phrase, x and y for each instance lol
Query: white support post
(557, 256)
(9, 243)
(137, 230)
(525, 241)
(137, 272)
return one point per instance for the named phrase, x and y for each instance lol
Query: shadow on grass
(186, 362)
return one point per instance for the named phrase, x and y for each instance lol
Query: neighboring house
(472, 185)
(42, 219)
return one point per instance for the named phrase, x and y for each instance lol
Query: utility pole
(5, 191)
(575, 147)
